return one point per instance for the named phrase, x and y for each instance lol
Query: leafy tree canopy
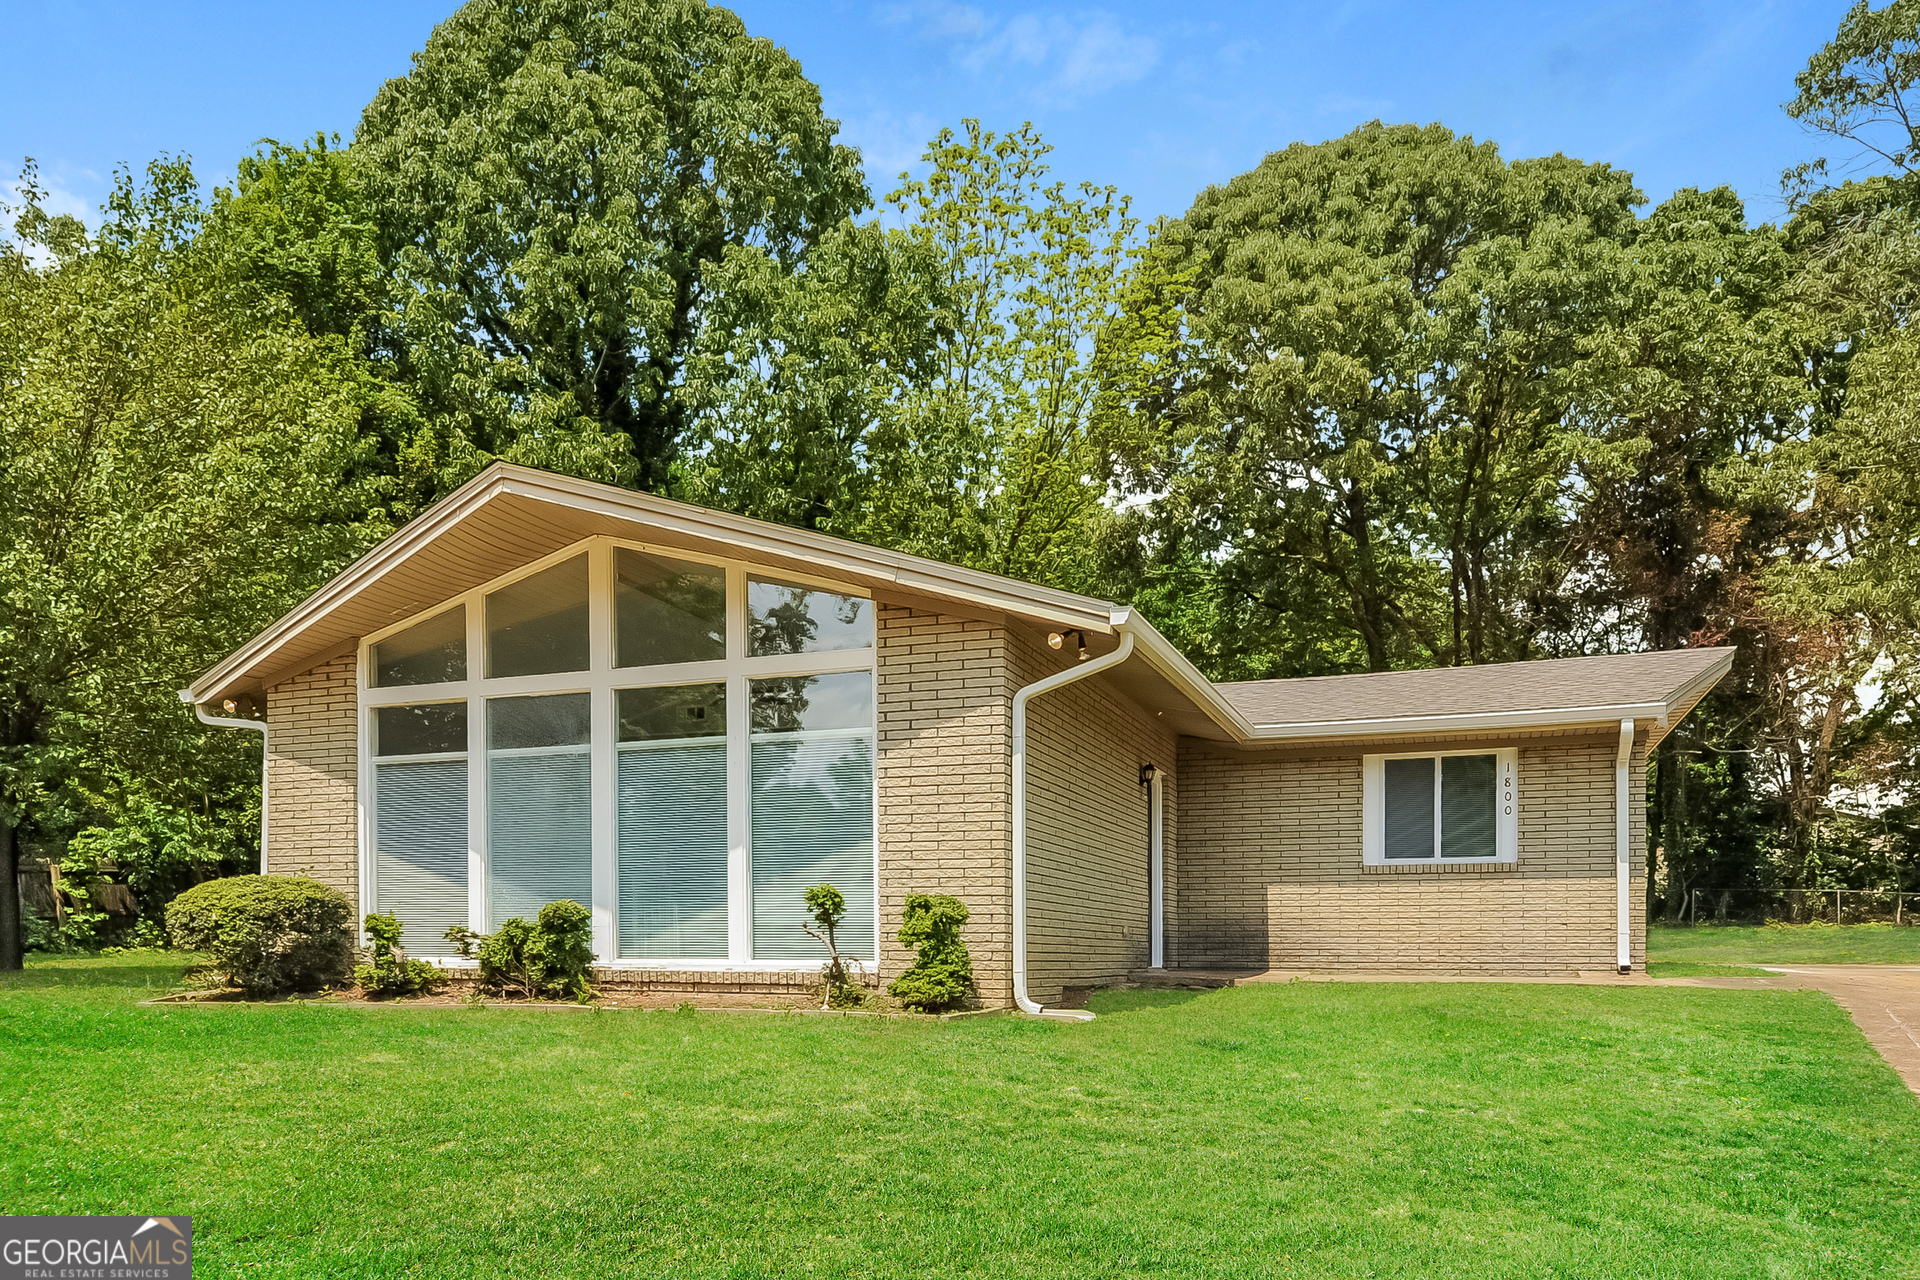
(559, 186)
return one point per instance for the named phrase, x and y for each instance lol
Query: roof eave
(908, 573)
(1465, 722)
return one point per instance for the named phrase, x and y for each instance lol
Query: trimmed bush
(268, 934)
(547, 957)
(827, 907)
(390, 972)
(942, 976)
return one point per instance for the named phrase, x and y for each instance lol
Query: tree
(1345, 379)
(558, 187)
(990, 459)
(170, 479)
(1856, 88)
(808, 376)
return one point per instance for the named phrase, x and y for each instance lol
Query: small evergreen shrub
(464, 940)
(390, 972)
(548, 956)
(827, 907)
(267, 934)
(942, 975)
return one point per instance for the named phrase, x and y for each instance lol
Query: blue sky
(1158, 99)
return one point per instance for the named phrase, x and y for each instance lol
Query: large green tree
(561, 188)
(1347, 385)
(171, 464)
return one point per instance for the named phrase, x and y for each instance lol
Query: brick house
(548, 688)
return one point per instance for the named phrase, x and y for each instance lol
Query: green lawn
(1745, 944)
(1310, 1129)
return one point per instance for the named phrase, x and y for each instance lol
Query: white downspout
(1622, 828)
(227, 722)
(1020, 700)
(1157, 873)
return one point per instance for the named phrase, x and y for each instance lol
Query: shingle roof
(1551, 684)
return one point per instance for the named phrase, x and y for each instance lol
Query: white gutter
(1467, 721)
(227, 722)
(1622, 768)
(1020, 700)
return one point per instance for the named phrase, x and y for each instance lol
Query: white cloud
(938, 19)
(889, 144)
(1063, 60)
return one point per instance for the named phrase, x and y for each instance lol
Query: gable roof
(509, 516)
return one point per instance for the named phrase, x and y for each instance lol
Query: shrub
(391, 973)
(268, 934)
(828, 906)
(942, 975)
(547, 957)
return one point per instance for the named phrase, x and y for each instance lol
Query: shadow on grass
(1111, 1002)
(154, 969)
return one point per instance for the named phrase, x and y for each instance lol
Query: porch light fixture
(1146, 774)
(1058, 640)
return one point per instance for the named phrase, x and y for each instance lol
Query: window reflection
(667, 610)
(539, 624)
(429, 652)
(431, 729)
(549, 720)
(793, 704)
(677, 711)
(784, 619)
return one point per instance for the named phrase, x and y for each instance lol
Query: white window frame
(1506, 841)
(601, 680)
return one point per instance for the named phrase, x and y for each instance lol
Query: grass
(1746, 944)
(1309, 1129)
(1686, 969)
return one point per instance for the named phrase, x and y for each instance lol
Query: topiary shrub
(391, 973)
(826, 907)
(942, 976)
(547, 957)
(268, 934)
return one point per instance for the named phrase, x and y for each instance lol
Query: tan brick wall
(1273, 873)
(945, 769)
(1087, 827)
(312, 777)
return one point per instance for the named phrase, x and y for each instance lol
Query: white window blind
(673, 850)
(420, 849)
(539, 805)
(540, 833)
(812, 801)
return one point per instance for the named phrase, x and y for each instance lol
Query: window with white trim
(684, 745)
(1441, 807)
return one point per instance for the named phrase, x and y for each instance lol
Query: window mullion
(739, 716)
(601, 788)
(1439, 836)
(476, 763)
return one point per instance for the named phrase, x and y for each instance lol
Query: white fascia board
(1465, 722)
(357, 576)
(1160, 654)
(830, 555)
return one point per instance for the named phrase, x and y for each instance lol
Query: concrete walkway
(1883, 1000)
